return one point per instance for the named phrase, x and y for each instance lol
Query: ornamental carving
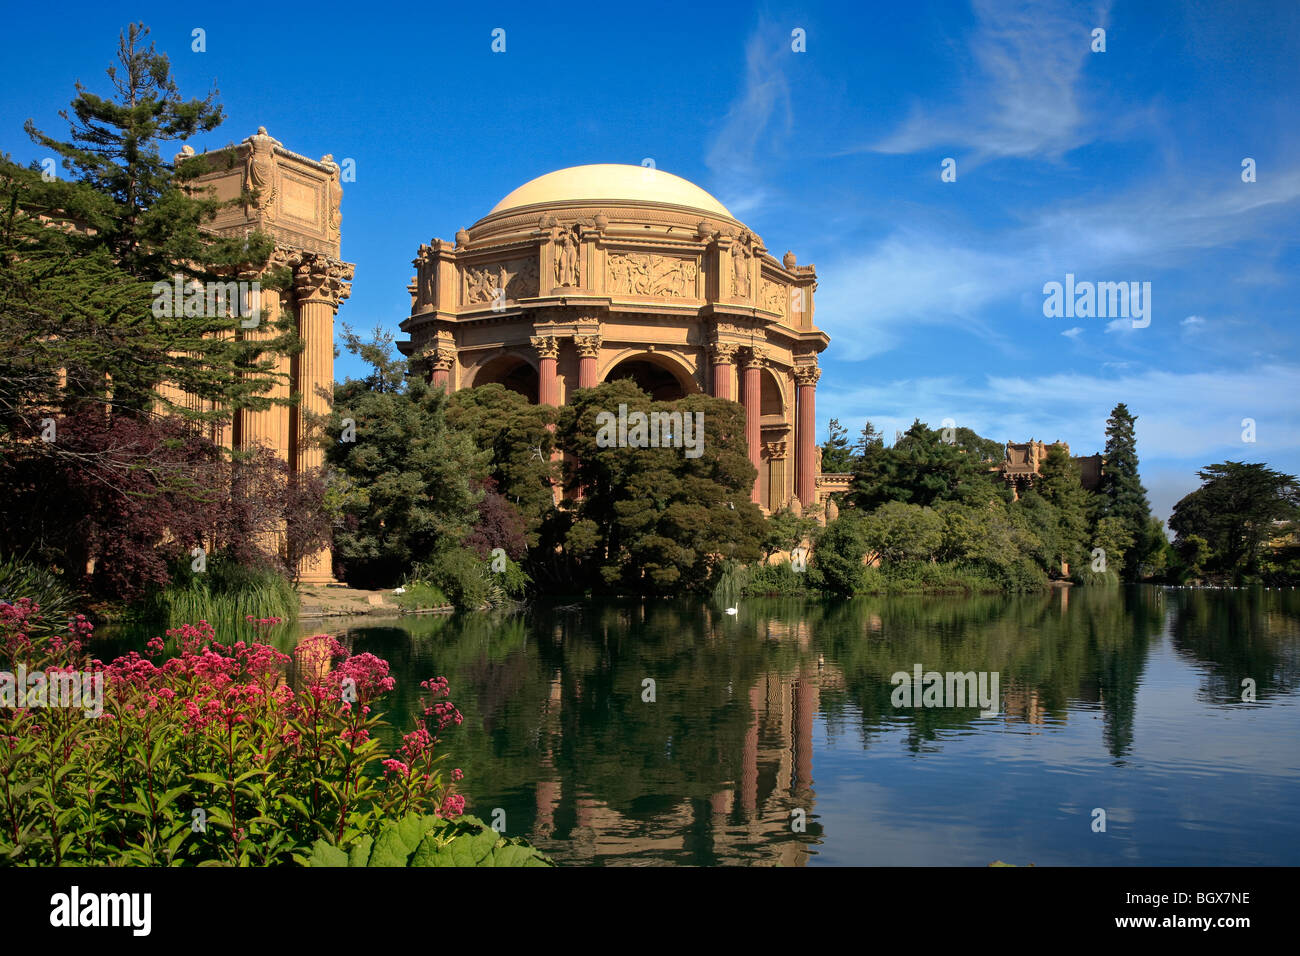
(333, 198)
(643, 273)
(321, 279)
(723, 353)
(548, 346)
(739, 271)
(774, 449)
(773, 298)
(807, 374)
(259, 174)
(567, 272)
(756, 357)
(516, 278)
(588, 345)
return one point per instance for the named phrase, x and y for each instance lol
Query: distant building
(1024, 460)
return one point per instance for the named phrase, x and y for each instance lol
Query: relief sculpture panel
(518, 277)
(774, 296)
(643, 273)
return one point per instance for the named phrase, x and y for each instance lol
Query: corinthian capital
(321, 279)
(723, 353)
(807, 374)
(588, 345)
(548, 346)
(756, 357)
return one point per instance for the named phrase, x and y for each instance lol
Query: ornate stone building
(600, 272)
(298, 204)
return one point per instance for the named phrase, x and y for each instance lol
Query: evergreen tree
(407, 486)
(837, 456)
(1061, 486)
(78, 302)
(1124, 497)
(1236, 511)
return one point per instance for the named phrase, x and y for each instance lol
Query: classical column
(320, 286)
(806, 433)
(267, 426)
(775, 452)
(440, 362)
(722, 356)
(753, 397)
(548, 382)
(588, 348)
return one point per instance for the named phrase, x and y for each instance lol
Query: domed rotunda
(600, 272)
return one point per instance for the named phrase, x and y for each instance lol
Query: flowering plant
(229, 754)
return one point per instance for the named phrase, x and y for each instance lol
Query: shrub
(431, 840)
(225, 595)
(43, 585)
(837, 560)
(420, 596)
(221, 754)
(772, 579)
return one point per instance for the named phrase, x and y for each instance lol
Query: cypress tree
(1121, 486)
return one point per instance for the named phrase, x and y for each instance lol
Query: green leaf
(325, 854)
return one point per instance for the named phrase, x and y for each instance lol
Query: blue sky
(1115, 166)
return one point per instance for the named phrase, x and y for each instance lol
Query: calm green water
(1129, 701)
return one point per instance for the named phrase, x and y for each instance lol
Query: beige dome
(612, 183)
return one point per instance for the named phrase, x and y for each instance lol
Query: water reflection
(1106, 697)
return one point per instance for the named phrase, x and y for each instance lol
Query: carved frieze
(516, 277)
(644, 273)
(774, 296)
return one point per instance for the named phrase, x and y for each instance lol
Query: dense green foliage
(653, 520)
(1225, 526)
(430, 840)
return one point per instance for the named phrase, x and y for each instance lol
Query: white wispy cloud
(758, 119)
(1073, 333)
(1020, 99)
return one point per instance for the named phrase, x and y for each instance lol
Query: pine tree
(79, 258)
(1121, 486)
(837, 456)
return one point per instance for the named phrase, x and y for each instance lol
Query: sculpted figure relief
(259, 176)
(566, 259)
(518, 278)
(773, 296)
(641, 273)
(739, 271)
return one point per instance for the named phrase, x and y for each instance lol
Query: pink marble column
(548, 386)
(806, 453)
(588, 348)
(723, 359)
(753, 398)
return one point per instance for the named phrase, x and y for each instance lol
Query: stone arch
(516, 372)
(663, 375)
(772, 396)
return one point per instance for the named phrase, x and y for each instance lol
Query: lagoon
(771, 737)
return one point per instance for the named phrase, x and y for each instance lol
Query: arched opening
(659, 381)
(513, 372)
(770, 400)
